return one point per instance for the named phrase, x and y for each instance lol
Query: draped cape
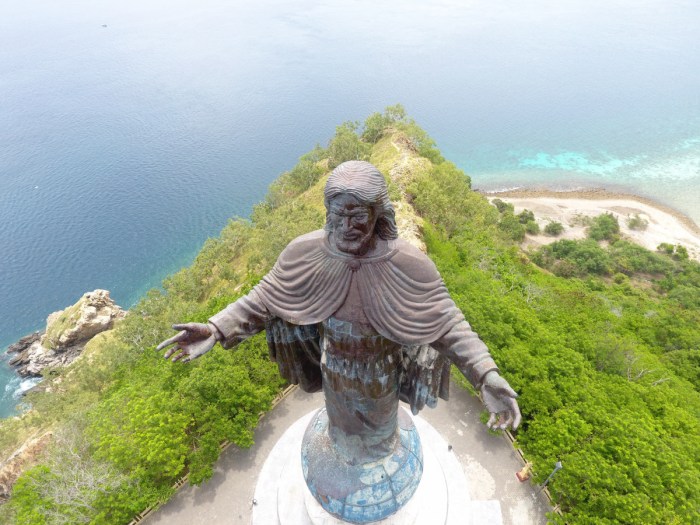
(401, 294)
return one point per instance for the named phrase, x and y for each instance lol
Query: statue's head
(358, 207)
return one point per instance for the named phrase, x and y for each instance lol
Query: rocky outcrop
(21, 349)
(66, 333)
(23, 458)
(24, 343)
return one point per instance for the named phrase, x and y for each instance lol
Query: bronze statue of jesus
(365, 316)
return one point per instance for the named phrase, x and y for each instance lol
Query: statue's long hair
(364, 182)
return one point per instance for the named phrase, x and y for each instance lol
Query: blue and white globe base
(356, 491)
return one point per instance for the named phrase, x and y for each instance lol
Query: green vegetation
(347, 145)
(527, 218)
(303, 176)
(607, 368)
(532, 227)
(502, 206)
(394, 119)
(511, 226)
(604, 227)
(601, 342)
(679, 252)
(67, 319)
(515, 226)
(567, 258)
(635, 222)
(554, 228)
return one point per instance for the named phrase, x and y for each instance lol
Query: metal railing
(545, 490)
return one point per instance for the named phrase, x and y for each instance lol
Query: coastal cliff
(67, 331)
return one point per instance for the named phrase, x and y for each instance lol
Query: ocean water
(130, 132)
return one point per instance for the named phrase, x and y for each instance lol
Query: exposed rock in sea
(24, 343)
(66, 333)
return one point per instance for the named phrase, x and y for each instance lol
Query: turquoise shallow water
(131, 132)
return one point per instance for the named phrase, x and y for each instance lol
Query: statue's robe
(401, 294)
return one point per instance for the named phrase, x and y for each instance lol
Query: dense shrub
(511, 226)
(554, 228)
(630, 258)
(378, 124)
(395, 118)
(444, 189)
(604, 227)
(568, 258)
(299, 179)
(532, 227)
(526, 216)
(666, 248)
(347, 145)
(681, 253)
(501, 206)
(635, 222)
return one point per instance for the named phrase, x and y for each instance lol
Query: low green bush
(554, 228)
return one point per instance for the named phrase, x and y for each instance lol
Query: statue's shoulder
(304, 245)
(315, 237)
(413, 262)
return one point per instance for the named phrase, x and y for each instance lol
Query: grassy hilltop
(601, 340)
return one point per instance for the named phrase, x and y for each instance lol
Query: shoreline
(592, 194)
(664, 224)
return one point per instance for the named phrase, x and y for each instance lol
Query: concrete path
(489, 461)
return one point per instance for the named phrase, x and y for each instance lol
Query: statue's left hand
(499, 399)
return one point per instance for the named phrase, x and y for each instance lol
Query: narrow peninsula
(598, 335)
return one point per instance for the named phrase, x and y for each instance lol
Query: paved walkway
(489, 461)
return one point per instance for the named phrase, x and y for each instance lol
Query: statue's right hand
(193, 340)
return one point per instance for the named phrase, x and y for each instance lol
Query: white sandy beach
(665, 225)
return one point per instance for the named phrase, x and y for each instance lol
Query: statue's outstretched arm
(469, 353)
(235, 323)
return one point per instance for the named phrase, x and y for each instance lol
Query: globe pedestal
(442, 496)
(361, 490)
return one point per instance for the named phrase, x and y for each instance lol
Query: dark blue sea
(131, 131)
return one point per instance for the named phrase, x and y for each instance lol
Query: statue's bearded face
(352, 224)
